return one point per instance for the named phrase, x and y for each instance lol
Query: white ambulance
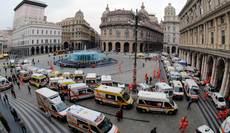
(106, 80)
(155, 102)
(164, 87)
(80, 91)
(191, 90)
(78, 76)
(91, 79)
(89, 121)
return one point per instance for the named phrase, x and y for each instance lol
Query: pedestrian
(14, 113)
(22, 125)
(5, 69)
(147, 80)
(154, 130)
(18, 85)
(13, 93)
(48, 115)
(189, 104)
(29, 90)
(121, 111)
(183, 125)
(150, 80)
(0, 97)
(206, 95)
(118, 115)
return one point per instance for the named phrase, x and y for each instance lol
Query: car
(218, 100)
(210, 89)
(204, 129)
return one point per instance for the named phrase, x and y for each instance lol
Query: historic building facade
(171, 28)
(6, 40)
(117, 31)
(32, 34)
(205, 40)
(77, 33)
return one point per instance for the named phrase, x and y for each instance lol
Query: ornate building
(117, 31)
(6, 40)
(205, 40)
(32, 34)
(77, 33)
(171, 30)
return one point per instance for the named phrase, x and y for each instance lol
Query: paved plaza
(133, 122)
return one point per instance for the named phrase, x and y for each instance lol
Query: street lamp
(135, 53)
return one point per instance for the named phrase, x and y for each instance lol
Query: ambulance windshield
(60, 107)
(105, 125)
(125, 96)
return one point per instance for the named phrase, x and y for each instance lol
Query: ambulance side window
(53, 108)
(82, 92)
(110, 97)
(94, 129)
(167, 105)
(120, 99)
(83, 124)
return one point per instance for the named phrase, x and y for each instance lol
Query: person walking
(189, 104)
(154, 130)
(118, 115)
(183, 125)
(150, 80)
(14, 113)
(29, 90)
(18, 85)
(22, 125)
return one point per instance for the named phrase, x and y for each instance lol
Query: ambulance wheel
(170, 113)
(143, 110)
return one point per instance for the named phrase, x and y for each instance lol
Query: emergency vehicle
(191, 89)
(66, 75)
(164, 87)
(178, 91)
(63, 85)
(53, 82)
(91, 79)
(54, 74)
(155, 102)
(4, 84)
(113, 95)
(106, 80)
(78, 76)
(38, 80)
(79, 91)
(225, 126)
(89, 121)
(50, 101)
(24, 75)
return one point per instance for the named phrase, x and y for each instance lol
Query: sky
(58, 10)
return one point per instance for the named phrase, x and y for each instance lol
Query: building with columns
(171, 31)
(77, 33)
(117, 31)
(32, 34)
(205, 40)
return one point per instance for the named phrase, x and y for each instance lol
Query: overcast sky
(58, 10)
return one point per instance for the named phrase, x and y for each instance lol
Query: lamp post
(135, 53)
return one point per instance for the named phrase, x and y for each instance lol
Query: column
(228, 31)
(113, 46)
(227, 85)
(122, 47)
(197, 62)
(214, 69)
(216, 41)
(107, 47)
(203, 68)
(193, 60)
(226, 73)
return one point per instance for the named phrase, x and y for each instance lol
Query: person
(21, 123)
(150, 80)
(143, 64)
(183, 124)
(18, 84)
(118, 115)
(14, 113)
(206, 95)
(154, 130)
(29, 90)
(189, 104)
(146, 80)
(121, 113)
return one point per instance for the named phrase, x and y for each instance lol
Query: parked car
(204, 129)
(218, 100)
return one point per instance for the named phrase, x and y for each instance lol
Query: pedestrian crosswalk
(35, 119)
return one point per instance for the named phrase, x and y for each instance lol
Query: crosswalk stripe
(29, 122)
(57, 125)
(44, 123)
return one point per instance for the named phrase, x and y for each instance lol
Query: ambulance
(4, 84)
(63, 85)
(178, 91)
(66, 75)
(38, 80)
(164, 87)
(78, 76)
(155, 102)
(53, 82)
(191, 90)
(89, 121)
(50, 101)
(80, 91)
(113, 95)
(54, 74)
(91, 79)
(106, 80)
(24, 75)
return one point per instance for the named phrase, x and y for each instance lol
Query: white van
(155, 101)
(191, 89)
(89, 121)
(218, 100)
(178, 91)
(79, 91)
(164, 87)
(53, 82)
(91, 79)
(106, 80)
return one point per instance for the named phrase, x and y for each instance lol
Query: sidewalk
(14, 126)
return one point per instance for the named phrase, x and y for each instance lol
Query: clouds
(58, 10)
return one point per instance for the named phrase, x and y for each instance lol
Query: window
(90, 90)
(83, 124)
(46, 32)
(168, 28)
(222, 19)
(37, 41)
(82, 92)
(212, 37)
(168, 106)
(120, 99)
(53, 108)
(50, 32)
(41, 41)
(141, 102)
(154, 103)
(105, 32)
(110, 97)
(110, 32)
(222, 37)
(118, 33)
(174, 40)
(42, 32)
(94, 129)
(32, 41)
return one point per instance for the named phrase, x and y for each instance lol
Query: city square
(126, 72)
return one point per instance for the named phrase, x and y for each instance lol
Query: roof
(144, 85)
(77, 85)
(79, 72)
(110, 89)
(37, 75)
(66, 73)
(85, 113)
(151, 95)
(23, 71)
(163, 85)
(191, 82)
(65, 81)
(30, 2)
(91, 75)
(106, 78)
(46, 92)
(56, 78)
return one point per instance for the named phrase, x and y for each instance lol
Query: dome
(143, 9)
(106, 10)
(79, 14)
(170, 10)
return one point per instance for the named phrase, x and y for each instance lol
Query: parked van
(53, 82)
(63, 85)
(178, 91)
(79, 91)
(91, 79)
(155, 101)
(164, 87)
(24, 75)
(50, 101)
(191, 89)
(106, 80)
(89, 121)
(113, 95)
(38, 80)
(66, 75)
(173, 75)
(78, 76)
(4, 84)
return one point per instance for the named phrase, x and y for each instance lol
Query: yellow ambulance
(38, 80)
